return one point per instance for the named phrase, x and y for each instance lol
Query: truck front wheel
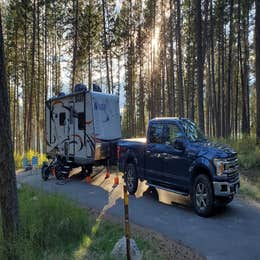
(202, 196)
(131, 179)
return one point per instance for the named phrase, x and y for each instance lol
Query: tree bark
(29, 118)
(229, 85)
(75, 42)
(106, 44)
(8, 190)
(215, 108)
(171, 98)
(200, 65)
(179, 48)
(257, 71)
(38, 102)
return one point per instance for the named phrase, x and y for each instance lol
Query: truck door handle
(148, 152)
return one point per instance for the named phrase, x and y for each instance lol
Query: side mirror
(179, 144)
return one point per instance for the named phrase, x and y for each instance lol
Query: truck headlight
(219, 164)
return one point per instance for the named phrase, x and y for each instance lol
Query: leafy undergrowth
(55, 228)
(249, 160)
(248, 151)
(18, 158)
(250, 189)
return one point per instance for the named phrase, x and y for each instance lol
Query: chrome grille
(231, 167)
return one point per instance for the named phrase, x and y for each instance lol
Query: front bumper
(226, 188)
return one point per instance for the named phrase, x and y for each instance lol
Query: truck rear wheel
(202, 196)
(131, 179)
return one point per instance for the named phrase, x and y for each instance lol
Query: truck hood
(212, 150)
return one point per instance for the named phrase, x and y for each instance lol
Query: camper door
(83, 126)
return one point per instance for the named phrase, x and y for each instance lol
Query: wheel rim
(130, 178)
(201, 196)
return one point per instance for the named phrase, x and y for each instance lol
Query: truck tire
(131, 179)
(202, 196)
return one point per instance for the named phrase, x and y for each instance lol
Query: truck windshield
(193, 133)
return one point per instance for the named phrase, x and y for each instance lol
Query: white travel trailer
(82, 127)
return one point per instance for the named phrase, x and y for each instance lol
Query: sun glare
(155, 39)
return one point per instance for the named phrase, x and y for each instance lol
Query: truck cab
(176, 156)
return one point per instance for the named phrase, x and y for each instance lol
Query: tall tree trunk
(215, 108)
(16, 98)
(118, 75)
(257, 71)
(179, 48)
(246, 67)
(111, 71)
(29, 119)
(75, 42)
(171, 98)
(223, 94)
(229, 82)
(106, 44)
(192, 89)
(8, 190)
(38, 103)
(243, 87)
(200, 65)
(25, 88)
(89, 48)
(45, 88)
(219, 91)
(163, 58)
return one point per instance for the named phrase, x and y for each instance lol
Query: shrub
(248, 151)
(18, 158)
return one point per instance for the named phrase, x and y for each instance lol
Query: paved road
(233, 233)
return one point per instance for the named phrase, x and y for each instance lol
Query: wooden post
(127, 227)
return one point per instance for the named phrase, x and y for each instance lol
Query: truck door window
(81, 121)
(171, 133)
(156, 134)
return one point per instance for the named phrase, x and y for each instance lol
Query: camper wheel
(89, 168)
(45, 171)
(58, 168)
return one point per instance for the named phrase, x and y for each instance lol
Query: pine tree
(8, 190)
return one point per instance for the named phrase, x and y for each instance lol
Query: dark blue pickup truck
(177, 157)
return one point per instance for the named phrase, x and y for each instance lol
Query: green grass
(54, 228)
(249, 189)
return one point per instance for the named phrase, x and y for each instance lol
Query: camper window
(62, 118)
(81, 121)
